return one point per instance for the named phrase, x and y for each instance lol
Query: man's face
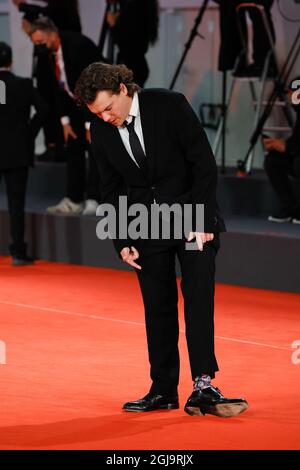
(112, 108)
(44, 37)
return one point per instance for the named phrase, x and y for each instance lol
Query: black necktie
(136, 146)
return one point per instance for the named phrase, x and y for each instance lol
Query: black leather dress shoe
(22, 261)
(211, 401)
(153, 402)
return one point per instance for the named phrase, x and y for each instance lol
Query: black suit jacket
(17, 129)
(78, 52)
(182, 167)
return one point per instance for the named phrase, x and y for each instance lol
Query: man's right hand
(129, 255)
(68, 132)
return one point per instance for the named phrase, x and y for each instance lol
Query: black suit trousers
(16, 183)
(280, 168)
(158, 285)
(81, 184)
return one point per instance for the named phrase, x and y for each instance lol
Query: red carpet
(76, 350)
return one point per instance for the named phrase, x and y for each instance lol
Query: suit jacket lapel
(118, 150)
(66, 52)
(148, 119)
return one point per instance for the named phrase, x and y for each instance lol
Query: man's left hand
(275, 144)
(201, 238)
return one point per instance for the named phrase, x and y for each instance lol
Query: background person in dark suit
(150, 146)
(134, 28)
(65, 15)
(70, 54)
(17, 134)
(282, 162)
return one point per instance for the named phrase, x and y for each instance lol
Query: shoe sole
(222, 410)
(162, 407)
(279, 221)
(19, 265)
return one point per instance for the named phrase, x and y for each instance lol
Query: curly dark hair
(44, 24)
(103, 77)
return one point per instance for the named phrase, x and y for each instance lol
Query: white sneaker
(90, 207)
(66, 206)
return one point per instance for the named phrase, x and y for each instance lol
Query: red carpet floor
(76, 350)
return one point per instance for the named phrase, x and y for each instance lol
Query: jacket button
(153, 187)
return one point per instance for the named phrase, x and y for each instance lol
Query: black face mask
(41, 50)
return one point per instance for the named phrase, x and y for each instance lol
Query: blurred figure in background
(17, 134)
(283, 162)
(134, 27)
(65, 15)
(70, 53)
(232, 44)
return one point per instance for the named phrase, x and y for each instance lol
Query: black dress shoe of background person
(296, 217)
(284, 214)
(211, 401)
(153, 402)
(22, 261)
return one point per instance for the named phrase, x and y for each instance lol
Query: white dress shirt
(59, 59)
(134, 111)
(63, 76)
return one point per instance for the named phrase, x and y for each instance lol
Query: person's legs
(278, 168)
(295, 172)
(93, 178)
(157, 281)
(16, 182)
(295, 167)
(54, 143)
(233, 42)
(198, 283)
(261, 43)
(76, 164)
(198, 286)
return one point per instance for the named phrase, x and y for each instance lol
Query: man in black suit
(282, 162)
(70, 53)
(150, 147)
(17, 134)
(65, 16)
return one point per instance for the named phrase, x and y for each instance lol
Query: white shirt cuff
(65, 120)
(87, 125)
